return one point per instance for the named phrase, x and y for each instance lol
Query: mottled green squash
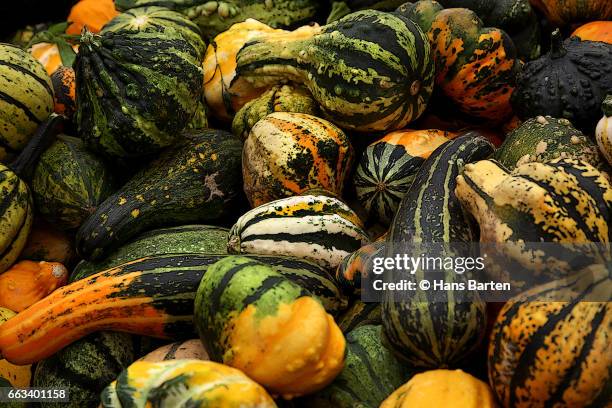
(70, 182)
(138, 83)
(371, 373)
(545, 138)
(197, 180)
(369, 71)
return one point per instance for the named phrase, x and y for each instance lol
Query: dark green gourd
(138, 83)
(198, 180)
(434, 328)
(369, 71)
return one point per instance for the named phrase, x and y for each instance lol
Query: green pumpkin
(70, 182)
(369, 71)
(138, 83)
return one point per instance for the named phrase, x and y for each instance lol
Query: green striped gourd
(564, 201)
(139, 82)
(314, 227)
(183, 383)
(360, 314)
(358, 265)
(16, 213)
(85, 367)
(252, 318)
(388, 167)
(214, 17)
(369, 71)
(371, 373)
(69, 183)
(26, 99)
(195, 239)
(281, 98)
(550, 346)
(197, 180)
(434, 328)
(289, 153)
(545, 138)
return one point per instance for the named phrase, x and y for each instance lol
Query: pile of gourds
(193, 194)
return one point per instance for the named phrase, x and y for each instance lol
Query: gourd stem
(556, 45)
(44, 137)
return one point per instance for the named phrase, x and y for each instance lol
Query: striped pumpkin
(252, 318)
(360, 314)
(182, 383)
(369, 71)
(281, 98)
(139, 82)
(603, 132)
(434, 329)
(550, 346)
(317, 228)
(289, 153)
(388, 167)
(475, 65)
(16, 213)
(565, 201)
(26, 99)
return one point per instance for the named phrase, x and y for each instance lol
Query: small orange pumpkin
(64, 91)
(595, 31)
(93, 14)
(26, 282)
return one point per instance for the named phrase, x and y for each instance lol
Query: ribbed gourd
(214, 17)
(138, 82)
(196, 180)
(288, 153)
(562, 201)
(370, 374)
(26, 99)
(70, 182)
(182, 383)
(252, 318)
(388, 167)
(369, 71)
(313, 227)
(545, 138)
(562, 13)
(436, 328)
(570, 81)
(475, 65)
(603, 131)
(16, 214)
(550, 346)
(281, 98)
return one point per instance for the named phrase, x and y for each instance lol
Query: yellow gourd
(18, 376)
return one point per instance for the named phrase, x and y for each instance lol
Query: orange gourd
(93, 14)
(26, 282)
(64, 91)
(595, 31)
(48, 55)
(47, 243)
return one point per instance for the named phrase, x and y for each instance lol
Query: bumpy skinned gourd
(369, 71)
(224, 92)
(214, 17)
(603, 132)
(287, 154)
(475, 65)
(388, 167)
(19, 376)
(182, 383)
(282, 98)
(550, 345)
(26, 99)
(564, 201)
(70, 182)
(570, 81)
(313, 227)
(27, 282)
(16, 215)
(442, 388)
(251, 318)
(545, 138)
(138, 82)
